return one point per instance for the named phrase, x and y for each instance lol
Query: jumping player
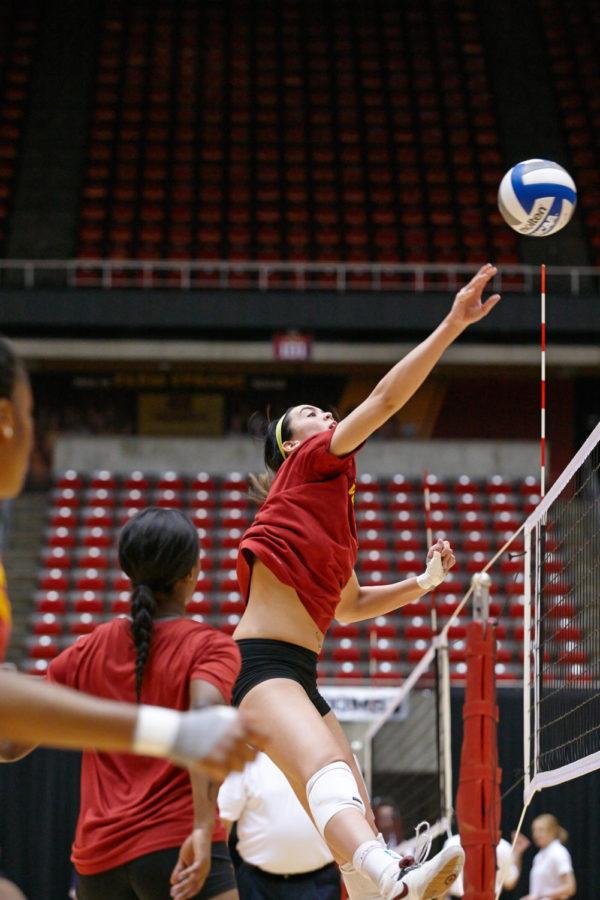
(295, 568)
(136, 814)
(33, 712)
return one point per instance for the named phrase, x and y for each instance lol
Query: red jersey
(305, 531)
(134, 805)
(5, 615)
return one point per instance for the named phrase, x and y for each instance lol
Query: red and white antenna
(543, 383)
(429, 538)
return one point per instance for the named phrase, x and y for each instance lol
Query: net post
(478, 799)
(429, 538)
(445, 736)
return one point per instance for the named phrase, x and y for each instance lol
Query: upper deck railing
(282, 275)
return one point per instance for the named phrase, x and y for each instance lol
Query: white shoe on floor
(428, 880)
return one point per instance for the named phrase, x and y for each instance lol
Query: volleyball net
(408, 758)
(546, 575)
(562, 627)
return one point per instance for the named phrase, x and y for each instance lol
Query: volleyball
(537, 197)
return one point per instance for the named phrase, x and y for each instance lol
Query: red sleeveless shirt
(305, 531)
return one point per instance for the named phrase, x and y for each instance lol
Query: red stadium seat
(54, 580)
(42, 647)
(88, 601)
(384, 651)
(62, 537)
(155, 180)
(82, 623)
(50, 601)
(346, 650)
(47, 623)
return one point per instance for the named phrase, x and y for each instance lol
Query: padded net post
(478, 801)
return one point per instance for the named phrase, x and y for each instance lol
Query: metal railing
(340, 277)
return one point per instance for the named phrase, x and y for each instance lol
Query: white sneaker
(429, 880)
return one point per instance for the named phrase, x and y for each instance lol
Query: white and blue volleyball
(537, 197)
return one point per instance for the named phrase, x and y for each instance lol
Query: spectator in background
(551, 876)
(388, 821)
(283, 855)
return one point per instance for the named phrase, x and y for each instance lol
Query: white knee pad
(330, 790)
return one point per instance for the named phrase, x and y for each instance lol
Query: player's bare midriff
(275, 612)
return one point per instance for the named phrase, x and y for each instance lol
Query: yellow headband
(278, 437)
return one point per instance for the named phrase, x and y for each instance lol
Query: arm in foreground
(33, 712)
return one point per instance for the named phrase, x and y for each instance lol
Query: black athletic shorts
(263, 659)
(148, 877)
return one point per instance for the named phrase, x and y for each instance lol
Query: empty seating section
(80, 583)
(572, 34)
(18, 34)
(294, 130)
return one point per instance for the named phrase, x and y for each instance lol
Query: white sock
(376, 862)
(358, 886)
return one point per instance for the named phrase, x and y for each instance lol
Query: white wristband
(434, 573)
(155, 731)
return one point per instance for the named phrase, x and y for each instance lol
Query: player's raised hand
(447, 558)
(468, 306)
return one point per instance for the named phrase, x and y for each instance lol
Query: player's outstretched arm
(32, 712)
(358, 603)
(407, 376)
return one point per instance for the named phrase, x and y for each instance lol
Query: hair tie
(278, 437)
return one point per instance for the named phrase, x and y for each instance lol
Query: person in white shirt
(551, 876)
(283, 855)
(508, 865)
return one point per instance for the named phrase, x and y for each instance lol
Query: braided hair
(157, 547)
(11, 369)
(273, 457)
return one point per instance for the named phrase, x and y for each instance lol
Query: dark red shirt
(305, 531)
(5, 615)
(134, 805)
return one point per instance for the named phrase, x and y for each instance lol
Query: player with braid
(33, 712)
(213, 740)
(295, 568)
(147, 828)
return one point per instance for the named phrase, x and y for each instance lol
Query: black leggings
(148, 877)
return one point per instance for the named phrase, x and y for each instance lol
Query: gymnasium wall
(244, 454)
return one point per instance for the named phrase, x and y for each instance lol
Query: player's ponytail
(157, 548)
(278, 431)
(143, 611)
